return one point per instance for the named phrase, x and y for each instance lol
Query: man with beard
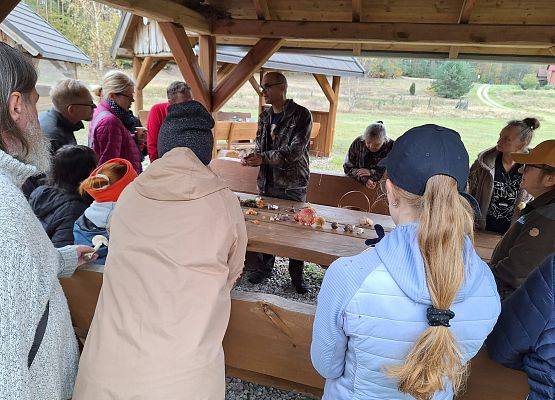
(38, 349)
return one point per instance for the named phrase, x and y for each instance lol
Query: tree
(412, 89)
(530, 81)
(453, 79)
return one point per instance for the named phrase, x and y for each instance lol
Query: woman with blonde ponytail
(402, 321)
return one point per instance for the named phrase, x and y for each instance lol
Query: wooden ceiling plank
(262, 10)
(253, 60)
(6, 7)
(326, 87)
(179, 43)
(450, 34)
(466, 11)
(357, 10)
(163, 10)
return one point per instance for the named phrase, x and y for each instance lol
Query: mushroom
(349, 228)
(334, 225)
(320, 222)
(366, 222)
(97, 241)
(360, 231)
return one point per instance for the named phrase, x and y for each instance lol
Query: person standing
(532, 237)
(177, 92)
(495, 180)
(38, 348)
(524, 336)
(281, 152)
(114, 131)
(361, 162)
(58, 203)
(402, 320)
(165, 302)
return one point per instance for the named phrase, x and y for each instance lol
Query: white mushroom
(98, 241)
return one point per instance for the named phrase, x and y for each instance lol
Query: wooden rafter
(207, 59)
(255, 85)
(224, 70)
(449, 34)
(144, 72)
(326, 87)
(6, 7)
(156, 67)
(466, 11)
(163, 10)
(253, 60)
(262, 9)
(357, 10)
(180, 45)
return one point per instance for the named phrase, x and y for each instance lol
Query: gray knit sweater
(29, 271)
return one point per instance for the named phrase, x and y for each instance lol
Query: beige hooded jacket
(177, 246)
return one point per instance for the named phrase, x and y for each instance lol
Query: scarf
(126, 116)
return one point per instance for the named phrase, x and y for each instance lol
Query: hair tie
(102, 176)
(439, 317)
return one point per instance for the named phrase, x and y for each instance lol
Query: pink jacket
(165, 301)
(109, 138)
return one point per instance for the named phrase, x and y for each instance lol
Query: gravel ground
(280, 282)
(280, 285)
(240, 390)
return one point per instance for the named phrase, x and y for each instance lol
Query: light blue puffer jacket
(372, 309)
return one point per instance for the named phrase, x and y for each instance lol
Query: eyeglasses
(266, 87)
(91, 105)
(125, 95)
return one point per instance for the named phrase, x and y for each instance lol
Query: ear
(15, 106)
(548, 180)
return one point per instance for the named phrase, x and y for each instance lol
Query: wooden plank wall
(149, 40)
(319, 145)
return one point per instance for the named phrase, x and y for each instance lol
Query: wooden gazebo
(141, 40)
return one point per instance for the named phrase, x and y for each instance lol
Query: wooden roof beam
(225, 69)
(466, 11)
(6, 7)
(146, 66)
(179, 43)
(357, 10)
(255, 85)
(253, 60)
(449, 34)
(158, 65)
(165, 11)
(262, 10)
(326, 87)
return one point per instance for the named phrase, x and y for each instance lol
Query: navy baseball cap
(425, 151)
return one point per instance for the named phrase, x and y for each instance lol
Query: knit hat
(187, 125)
(112, 190)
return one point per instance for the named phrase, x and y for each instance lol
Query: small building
(546, 76)
(25, 29)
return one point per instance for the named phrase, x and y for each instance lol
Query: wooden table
(324, 245)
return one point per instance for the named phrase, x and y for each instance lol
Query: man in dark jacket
(282, 143)
(361, 162)
(532, 237)
(524, 336)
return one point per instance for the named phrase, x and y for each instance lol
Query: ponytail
(446, 219)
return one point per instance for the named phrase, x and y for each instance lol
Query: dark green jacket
(285, 158)
(526, 244)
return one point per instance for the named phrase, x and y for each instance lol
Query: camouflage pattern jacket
(360, 157)
(284, 149)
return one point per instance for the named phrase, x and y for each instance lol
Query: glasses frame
(92, 105)
(264, 88)
(132, 98)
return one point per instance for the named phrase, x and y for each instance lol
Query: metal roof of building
(39, 38)
(296, 61)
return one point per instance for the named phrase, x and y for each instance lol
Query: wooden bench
(326, 188)
(268, 342)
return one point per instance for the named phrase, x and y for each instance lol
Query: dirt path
(483, 95)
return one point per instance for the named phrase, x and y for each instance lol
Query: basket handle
(340, 205)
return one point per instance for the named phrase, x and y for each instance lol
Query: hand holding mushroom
(98, 241)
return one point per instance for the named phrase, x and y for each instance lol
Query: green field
(365, 100)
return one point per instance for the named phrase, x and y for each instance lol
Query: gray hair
(375, 130)
(178, 87)
(526, 128)
(67, 92)
(17, 74)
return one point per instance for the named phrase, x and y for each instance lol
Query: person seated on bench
(104, 185)
(178, 242)
(524, 336)
(281, 152)
(403, 319)
(177, 92)
(532, 237)
(361, 162)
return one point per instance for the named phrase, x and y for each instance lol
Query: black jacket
(58, 129)
(57, 210)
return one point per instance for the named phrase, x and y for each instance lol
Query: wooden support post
(180, 45)
(261, 101)
(223, 71)
(144, 72)
(6, 7)
(453, 52)
(332, 117)
(255, 58)
(137, 66)
(357, 49)
(154, 70)
(325, 86)
(357, 10)
(207, 60)
(255, 85)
